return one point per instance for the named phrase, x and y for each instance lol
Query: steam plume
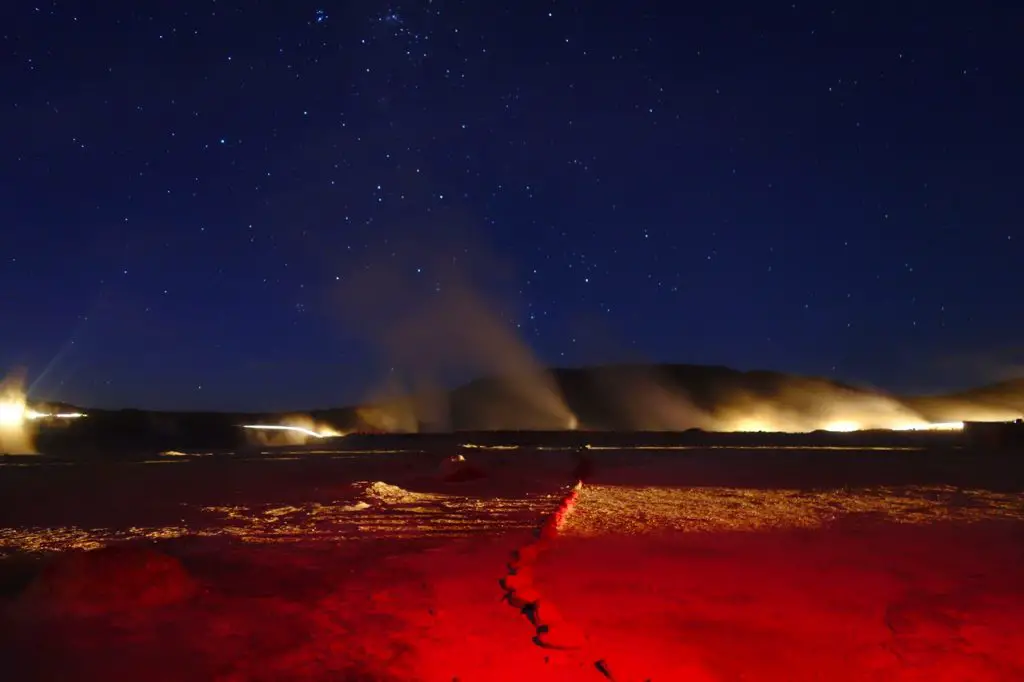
(436, 320)
(15, 427)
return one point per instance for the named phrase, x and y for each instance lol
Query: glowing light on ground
(850, 426)
(323, 433)
(15, 436)
(938, 426)
(752, 425)
(34, 415)
(17, 432)
(842, 427)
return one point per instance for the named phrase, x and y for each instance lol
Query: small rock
(456, 469)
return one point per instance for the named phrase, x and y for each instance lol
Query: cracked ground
(704, 565)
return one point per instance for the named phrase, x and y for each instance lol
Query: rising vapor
(681, 397)
(16, 429)
(434, 317)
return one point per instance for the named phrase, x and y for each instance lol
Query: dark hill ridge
(611, 397)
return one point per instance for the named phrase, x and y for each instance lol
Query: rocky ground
(700, 565)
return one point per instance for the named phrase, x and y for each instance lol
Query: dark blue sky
(190, 192)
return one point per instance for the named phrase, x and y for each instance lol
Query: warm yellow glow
(848, 426)
(295, 429)
(938, 426)
(15, 436)
(291, 430)
(34, 414)
(12, 412)
(843, 426)
(753, 425)
(328, 433)
(792, 425)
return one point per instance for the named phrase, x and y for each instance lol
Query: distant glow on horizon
(33, 414)
(938, 426)
(752, 425)
(326, 433)
(845, 426)
(15, 436)
(842, 426)
(850, 426)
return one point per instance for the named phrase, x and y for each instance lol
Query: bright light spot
(938, 426)
(843, 426)
(33, 414)
(15, 436)
(752, 425)
(12, 412)
(769, 425)
(297, 429)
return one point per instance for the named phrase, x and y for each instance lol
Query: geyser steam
(680, 397)
(641, 398)
(15, 426)
(430, 315)
(810, 404)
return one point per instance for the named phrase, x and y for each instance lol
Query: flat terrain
(721, 564)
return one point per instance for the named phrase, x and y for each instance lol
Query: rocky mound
(456, 469)
(381, 493)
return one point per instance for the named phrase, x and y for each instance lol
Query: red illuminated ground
(700, 565)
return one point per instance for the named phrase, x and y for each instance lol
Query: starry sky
(189, 191)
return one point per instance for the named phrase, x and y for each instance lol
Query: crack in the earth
(550, 628)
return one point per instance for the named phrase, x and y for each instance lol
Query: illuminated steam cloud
(393, 409)
(1002, 401)
(15, 421)
(292, 430)
(643, 399)
(802, 405)
(676, 398)
(426, 313)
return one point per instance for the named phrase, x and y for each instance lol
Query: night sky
(190, 191)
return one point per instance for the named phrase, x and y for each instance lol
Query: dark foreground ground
(682, 564)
